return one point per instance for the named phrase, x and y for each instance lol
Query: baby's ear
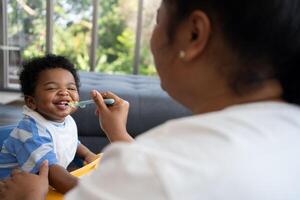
(30, 102)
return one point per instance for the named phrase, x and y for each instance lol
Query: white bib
(64, 136)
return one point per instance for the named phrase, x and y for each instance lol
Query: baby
(47, 131)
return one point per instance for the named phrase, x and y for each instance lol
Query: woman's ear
(30, 102)
(199, 27)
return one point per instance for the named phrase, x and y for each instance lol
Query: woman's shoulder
(258, 111)
(245, 121)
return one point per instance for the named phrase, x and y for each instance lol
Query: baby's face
(55, 88)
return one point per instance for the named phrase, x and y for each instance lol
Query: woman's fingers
(97, 112)
(97, 97)
(110, 95)
(118, 100)
(44, 169)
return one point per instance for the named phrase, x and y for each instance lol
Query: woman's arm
(61, 179)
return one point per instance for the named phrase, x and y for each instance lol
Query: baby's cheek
(75, 97)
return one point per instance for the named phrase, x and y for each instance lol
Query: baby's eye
(72, 88)
(51, 88)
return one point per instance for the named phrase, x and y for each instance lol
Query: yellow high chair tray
(53, 195)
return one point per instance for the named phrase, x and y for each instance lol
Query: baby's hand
(90, 157)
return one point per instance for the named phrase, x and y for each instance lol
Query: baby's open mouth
(62, 104)
(72, 103)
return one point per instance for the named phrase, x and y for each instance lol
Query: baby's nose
(63, 92)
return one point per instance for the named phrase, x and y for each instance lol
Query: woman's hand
(26, 186)
(113, 118)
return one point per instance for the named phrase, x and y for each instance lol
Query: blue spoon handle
(82, 104)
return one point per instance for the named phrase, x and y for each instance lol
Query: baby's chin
(58, 120)
(60, 117)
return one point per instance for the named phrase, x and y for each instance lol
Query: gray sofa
(149, 106)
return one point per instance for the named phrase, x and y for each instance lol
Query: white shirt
(64, 135)
(244, 152)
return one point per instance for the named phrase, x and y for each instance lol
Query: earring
(181, 54)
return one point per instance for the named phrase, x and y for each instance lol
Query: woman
(234, 64)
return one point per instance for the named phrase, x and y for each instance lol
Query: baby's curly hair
(32, 68)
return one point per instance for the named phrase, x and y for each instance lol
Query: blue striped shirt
(27, 146)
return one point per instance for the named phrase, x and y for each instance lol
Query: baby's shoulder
(27, 123)
(31, 127)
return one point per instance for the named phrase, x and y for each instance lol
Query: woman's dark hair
(32, 68)
(266, 33)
